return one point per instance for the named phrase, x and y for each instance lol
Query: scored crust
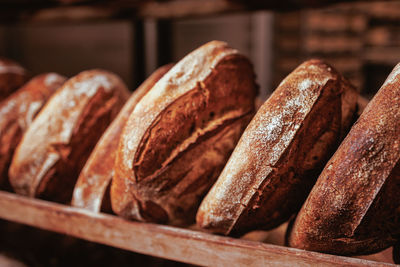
(12, 76)
(55, 147)
(180, 135)
(354, 206)
(18, 111)
(92, 187)
(279, 155)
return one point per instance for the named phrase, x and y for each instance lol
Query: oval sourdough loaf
(354, 206)
(12, 77)
(181, 133)
(55, 147)
(281, 152)
(18, 111)
(92, 188)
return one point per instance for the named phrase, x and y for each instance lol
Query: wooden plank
(185, 8)
(158, 240)
(83, 10)
(382, 55)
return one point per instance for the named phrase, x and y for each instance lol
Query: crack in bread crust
(98, 112)
(286, 187)
(189, 122)
(58, 142)
(356, 196)
(93, 186)
(273, 146)
(188, 179)
(165, 150)
(18, 111)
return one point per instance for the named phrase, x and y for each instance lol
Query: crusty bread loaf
(354, 206)
(12, 76)
(281, 152)
(92, 188)
(181, 133)
(55, 147)
(18, 111)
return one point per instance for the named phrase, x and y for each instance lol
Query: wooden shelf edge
(43, 11)
(158, 240)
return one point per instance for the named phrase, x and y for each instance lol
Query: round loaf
(281, 152)
(180, 135)
(55, 147)
(18, 111)
(92, 188)
(354, 206)
(12, 77)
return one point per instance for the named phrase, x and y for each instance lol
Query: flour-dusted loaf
(18, 111)
(92, 188)
(354, 206)
(180, 135)
(55, 147)
(12, 76)
(281, 152)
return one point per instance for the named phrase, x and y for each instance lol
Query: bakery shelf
(83, 10)
(158, 240)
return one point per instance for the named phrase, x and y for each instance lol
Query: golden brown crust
(55, 147)
(180, 135)
(12, 77)
(276, 161)
(18, 111)
(353, 207)
(91, 188)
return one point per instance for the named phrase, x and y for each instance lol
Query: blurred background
(360, 39)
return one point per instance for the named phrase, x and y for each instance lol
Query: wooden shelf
(158, 240)
(87, 10)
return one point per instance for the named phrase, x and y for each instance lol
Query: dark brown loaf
(180, 135)
(18, 111)
(281, 152)
(55, 147)
(12, 76)
(92, 188)
(354, 206)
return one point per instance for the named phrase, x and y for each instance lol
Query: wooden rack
(161, 241)
(78, 10)
(167, 242)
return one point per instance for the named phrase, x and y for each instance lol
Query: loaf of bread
(92, 188)
(55, 147)
(180, 135)
(12, 77)
(18, 111)
(354, 206)
(281, 152)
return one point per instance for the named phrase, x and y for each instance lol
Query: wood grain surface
(161, 241)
